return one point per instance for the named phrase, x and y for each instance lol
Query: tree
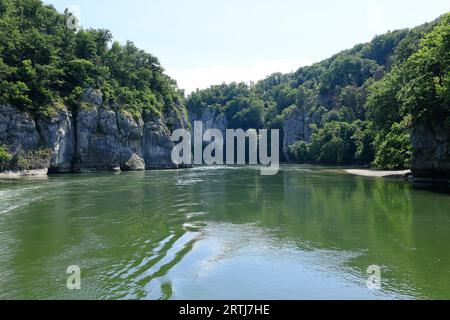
(43, 63)
(364, 140)
(333, 143)
(415, 93)
(299, 152)
(5, 157)
(425, 92)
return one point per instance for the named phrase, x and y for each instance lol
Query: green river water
(223, 233)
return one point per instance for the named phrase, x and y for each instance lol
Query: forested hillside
(42, 62)
(80, 101)
(51, 73)
(359, 106)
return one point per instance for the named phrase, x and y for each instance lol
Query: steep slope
(72, 101)
(328, 112)
(416, 93)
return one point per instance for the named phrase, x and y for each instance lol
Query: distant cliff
(71, 100)
(384, 104)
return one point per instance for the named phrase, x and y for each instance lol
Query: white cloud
(192, 78)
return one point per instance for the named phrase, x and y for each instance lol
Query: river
(223, 233)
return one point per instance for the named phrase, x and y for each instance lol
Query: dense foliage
(5, 157)
(415, 93)
(359, 104)
(43, 63)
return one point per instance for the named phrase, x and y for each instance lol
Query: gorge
(74, 101)
(136, 189)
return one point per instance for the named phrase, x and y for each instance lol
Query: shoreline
(379, 173)
(368, 173)
(23, 174)
(42, 173)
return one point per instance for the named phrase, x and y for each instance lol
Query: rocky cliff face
(18, 130)
(58, 136)
(296, 127)
(211, 119)
(431, 152)
(92, 139)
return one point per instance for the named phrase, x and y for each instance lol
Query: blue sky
(205, 42)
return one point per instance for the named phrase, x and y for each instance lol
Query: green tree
(334, 143)
(394, 148)
(5, 157)
(299, 152)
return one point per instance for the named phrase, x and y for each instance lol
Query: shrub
(5, 157)
(299, 152)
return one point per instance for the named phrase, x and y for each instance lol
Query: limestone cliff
(210, 119)
(431, 151)
(297, 127)
(91, 139)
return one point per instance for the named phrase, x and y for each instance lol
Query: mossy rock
(31, 160)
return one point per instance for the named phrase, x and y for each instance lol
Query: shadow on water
(443, 188)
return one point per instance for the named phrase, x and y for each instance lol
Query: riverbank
(23, 173)
(379, 173)
(400, 174)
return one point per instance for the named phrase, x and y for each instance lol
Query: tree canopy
(44, 63)
(361, 103)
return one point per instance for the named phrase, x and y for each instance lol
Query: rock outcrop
(296, 127)
(92, 139)
(57, 134)
(431, 152)
(211, 119)
(18, 130)
(20, 134)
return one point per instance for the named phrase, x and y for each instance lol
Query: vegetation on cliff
(5, 156)
(44, 63)
(360, 105)
(414, 94)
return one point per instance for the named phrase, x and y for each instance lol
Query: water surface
(223, 233)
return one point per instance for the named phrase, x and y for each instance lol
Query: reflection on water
(223, 233)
